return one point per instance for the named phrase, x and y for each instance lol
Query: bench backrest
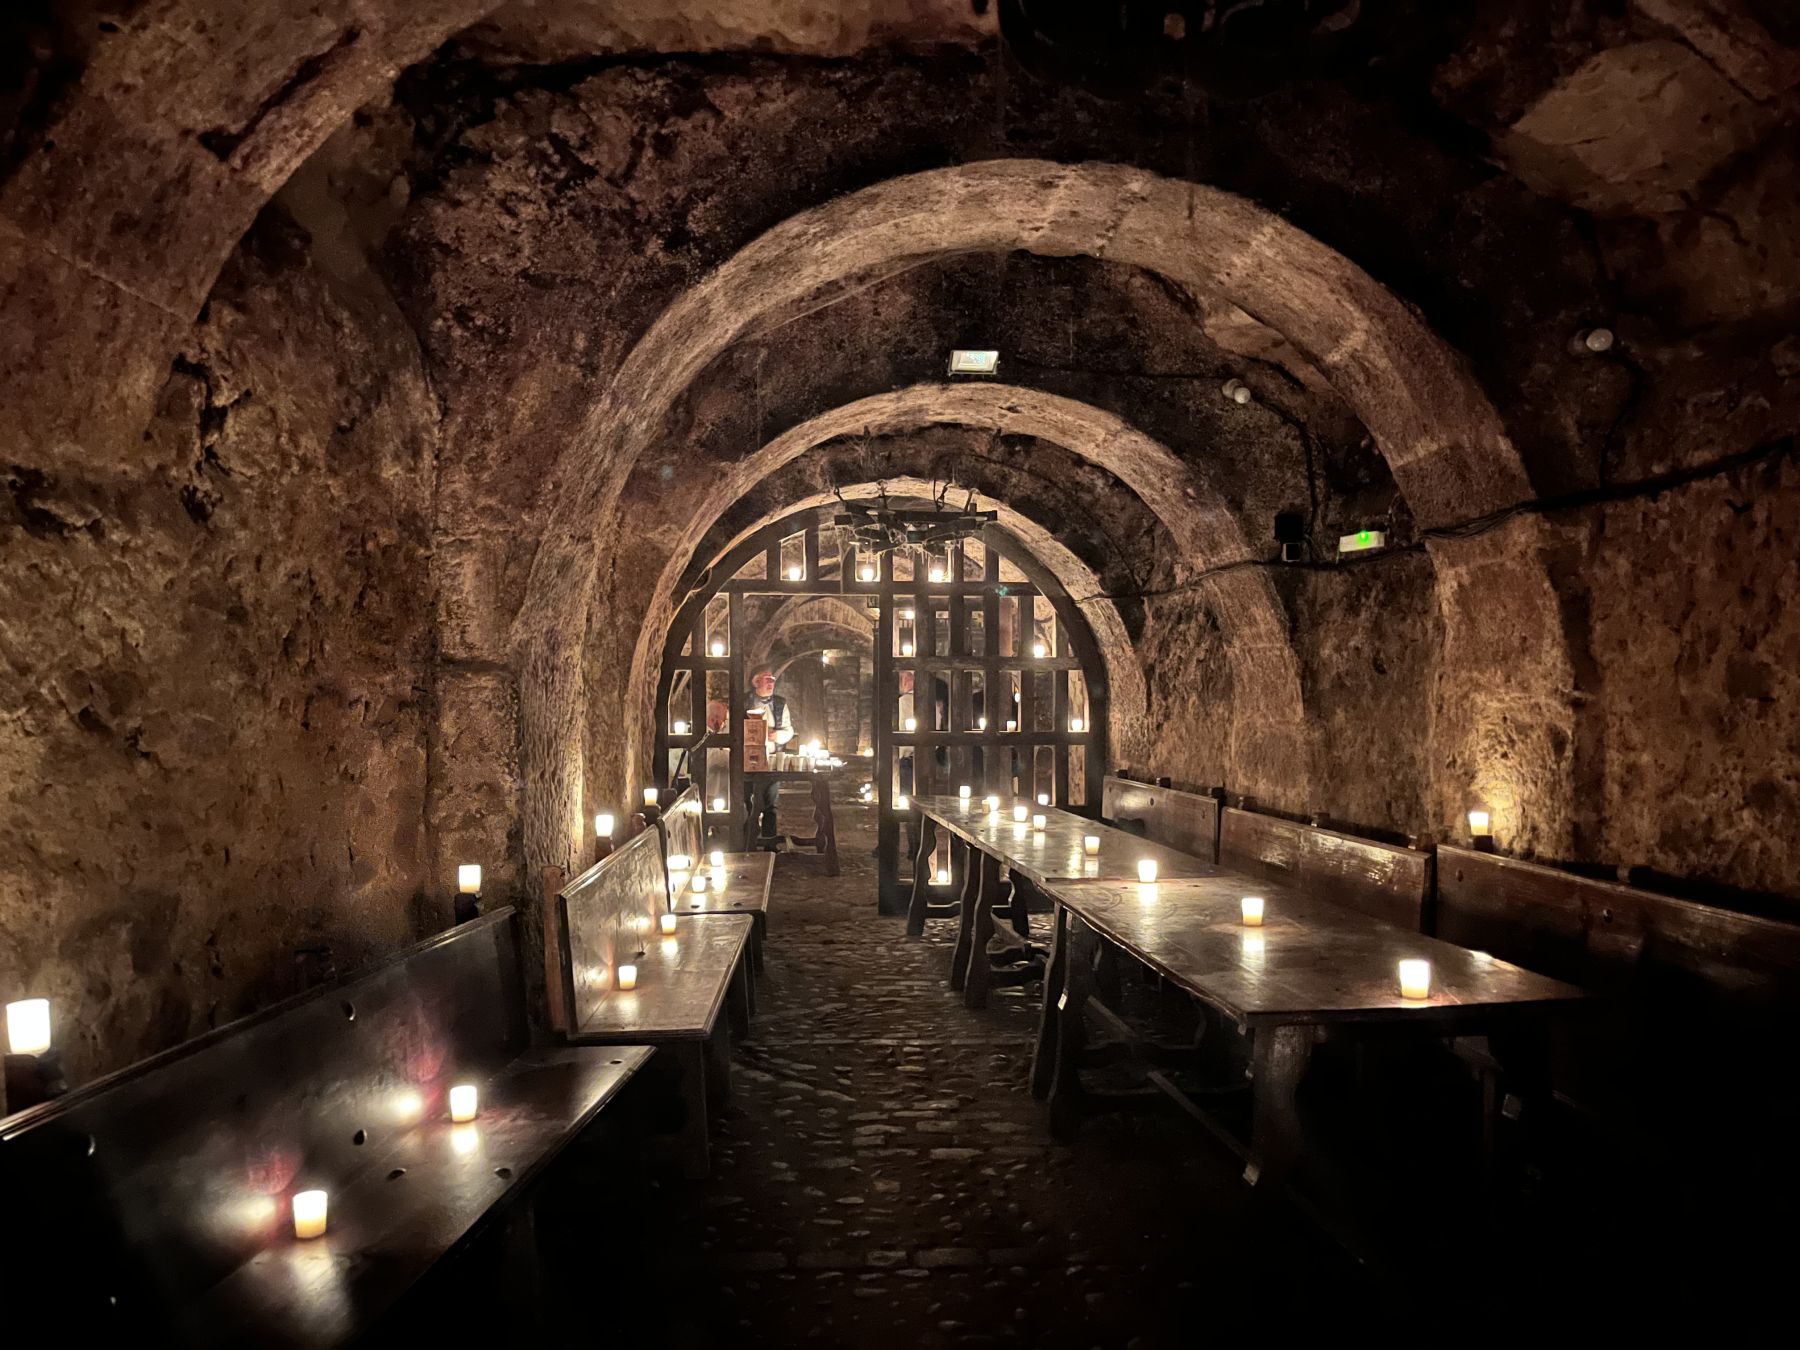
(1188, 821)
(1700, 997)
(157, 1181)
(605, 916)
(1384, 881)
(681, 826)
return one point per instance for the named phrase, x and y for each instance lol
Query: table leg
(1106, 975)
(1019, 910)
(1079, 944)
(1279, 1060)
(824, 826)
(965, 926)
(921, 890)
(978, 970)
(1043, 1058)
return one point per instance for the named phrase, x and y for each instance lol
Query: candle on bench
(1253, 910)
(668, 923)
(1415, 979)
(309, 1214)
(1146, 869)
(1090, 844)
(627, 978)
(462, 1102)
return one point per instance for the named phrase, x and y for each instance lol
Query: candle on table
(668, 923)
(1043, 799)
(468, 878)
(627, 977)
(462, 1102)
(964, 792)
(1252, 905)
(1146, 869)
(1090, 844)
(1021, 813)
(464, 1140)
(309, 1214)
(716, 858)
(28, 1026)
(699, 884)
(1415, 979)
(680, 862)
(1038, 822)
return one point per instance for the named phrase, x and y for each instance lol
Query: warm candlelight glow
(464, 1140)
(912, 724)
(716, 858)
(309, 1214)
(1012, 724)
(1038, 650)
(718, 805)
(717, 648)
(943, 877)
(796, 572)
(937, 574)
(906, 649)
(604, 825)
(1039, 821)
(671, 946)
(627, 977)
(1478, 823)
(680, 862)
(1043, 799)
(462, 1102)
(1075, 724)
(964, 791)
(1252, 906)
(1415, 979)
(865, 573)
(981, 724)
(468, 878)
(680, 728)
(1146, 869)
(906, 614)
(650, 796)
(1021, 813)
(699, 883)
(668, 923)
(1090, 844)
(28, 1026)
(900, 802)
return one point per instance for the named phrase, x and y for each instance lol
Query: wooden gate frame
(960, 594)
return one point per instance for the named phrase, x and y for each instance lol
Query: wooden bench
(1384, 881)
(1700, 1006)
(609, 917)
(743, 887)
(155, 1203)
(1188, 821)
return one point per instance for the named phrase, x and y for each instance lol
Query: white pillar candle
(943, 878)
(309, 1214)
(717, 648)
(1252, 905)
(1038, 822)
(901, 803)
(28, 1026)
(604, 825)
(716, 858)
(1415, 979)
(462, 1102)
(699, 884)
(937, 574)
(668, 923)
(981, 724)
(680, 728)
(1021, 813)
(992, 803)
(627, 977)
(865, 573)
(1012, 724)
(650, 795)
(964, 792)
(1075, 724)
(1478, 824)
(906, 649)
(1090, 844)
(1146, 869)
(1038, 649)
(796, 572)
(718, 806)
(468, 878)
(1043, 799)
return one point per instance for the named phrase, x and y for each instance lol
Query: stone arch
(815, 611)
(1442, 439)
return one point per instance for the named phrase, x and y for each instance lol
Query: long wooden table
(1311, 968)
(996, 840)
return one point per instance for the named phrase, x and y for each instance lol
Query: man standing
(778, 730)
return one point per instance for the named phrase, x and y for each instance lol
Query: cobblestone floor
(883, 1176)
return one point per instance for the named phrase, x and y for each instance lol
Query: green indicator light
(1362, 537)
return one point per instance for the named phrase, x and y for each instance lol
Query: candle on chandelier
(1252, 908)
(1415, 979)
(462, 1102)
(309, 1214)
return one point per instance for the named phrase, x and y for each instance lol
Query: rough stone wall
(217, 680)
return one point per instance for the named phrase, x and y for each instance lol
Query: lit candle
(964, 791)
(795, 573)
(906, 649)
(906, 614)
(937, 574)
(1252, 905)
(1090, 844)
(992, 804)
(468, 878)
(1038, 650)
(718, 805)
(900, 802)
(943, 877)
(650, 796)
(981, 724)
(1043, 799)
(604, 825)
(627, 977)
(1039, 821)
(912, 724)
(28, 1026)
(668, 923)
(1075, 724)
(1021, 813)
(1415, 979)
(309, 1214)
(1012, 724)
(716, 857)
(680, 862)
(462, 1102)
(680, 728)
(717, 648)
(1146, 869)
(699, 884)
(1478, 824)
(865, 573)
